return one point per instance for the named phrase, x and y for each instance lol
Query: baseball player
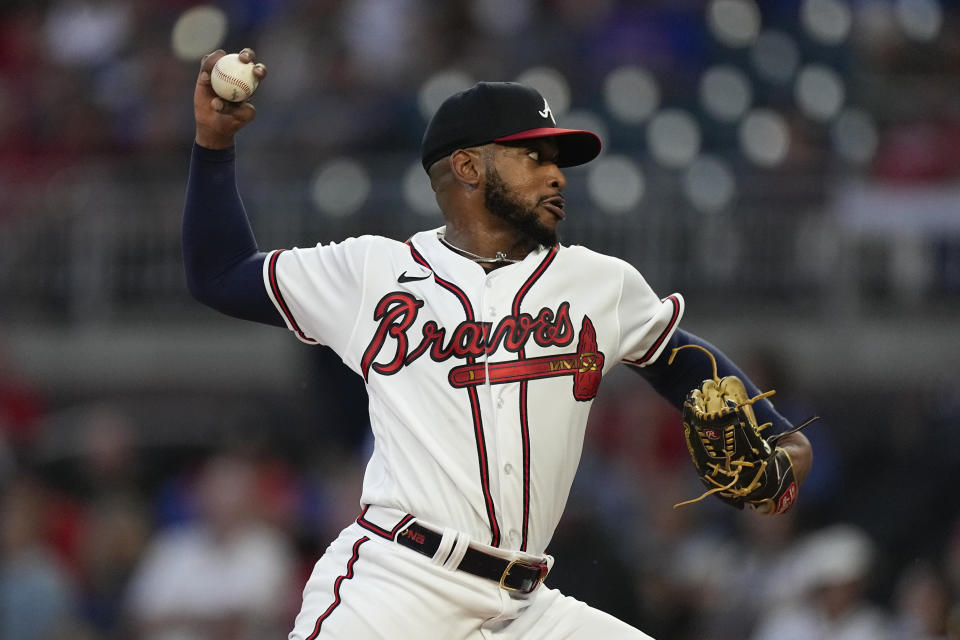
(482, 344)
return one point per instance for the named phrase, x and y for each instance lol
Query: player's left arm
(688, 370)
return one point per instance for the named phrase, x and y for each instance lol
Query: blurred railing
(100, 241)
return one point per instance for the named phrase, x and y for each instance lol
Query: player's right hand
(218, 120)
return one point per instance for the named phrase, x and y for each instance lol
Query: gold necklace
(500, 257)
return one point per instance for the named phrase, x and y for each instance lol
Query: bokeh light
(735, 23)
(775, 56)
(920, 20)
(674, 137)
(819, 92)
(709, 183)
(340, 187)
(764, 137)
(615, 183)
(725, 92)
(631, 93)
(198, 31)
(826, 21)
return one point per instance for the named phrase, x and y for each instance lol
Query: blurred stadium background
(791, 166)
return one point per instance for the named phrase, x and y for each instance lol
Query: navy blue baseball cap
(501, 112)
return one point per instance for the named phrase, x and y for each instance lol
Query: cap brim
(575, 146)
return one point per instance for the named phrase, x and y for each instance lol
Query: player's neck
(488, 263)
(486, 245)
(487, 254)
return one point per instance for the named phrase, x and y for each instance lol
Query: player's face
(523, 187)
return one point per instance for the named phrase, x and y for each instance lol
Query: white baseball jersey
(479, 382)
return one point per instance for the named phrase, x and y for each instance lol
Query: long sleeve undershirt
(223, 264)
(224, 270)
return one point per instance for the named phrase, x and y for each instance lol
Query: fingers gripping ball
(733, 460)
(232, 79)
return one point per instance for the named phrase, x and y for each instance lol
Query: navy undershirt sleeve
(224, 267)
(691, 367)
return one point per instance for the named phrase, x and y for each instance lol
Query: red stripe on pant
(336, 588)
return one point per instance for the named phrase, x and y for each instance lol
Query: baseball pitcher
(482, 344)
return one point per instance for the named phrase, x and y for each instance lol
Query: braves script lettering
(397, 311)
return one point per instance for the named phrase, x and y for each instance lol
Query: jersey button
(499, 403)
(508, 468)
(515, 537)
(491, 311)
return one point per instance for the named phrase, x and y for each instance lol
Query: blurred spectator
(90, 455)
(737, 577)
(21, 408)
(86, 33)
(109, 462)
(922, 602)
(227, 575)
(677, 553)
(831, 572)
(114, 539)
(36, 595)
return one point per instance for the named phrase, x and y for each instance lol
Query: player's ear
(466, 165)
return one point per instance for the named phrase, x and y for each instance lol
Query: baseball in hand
(232, 79)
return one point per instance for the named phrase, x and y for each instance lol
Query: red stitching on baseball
(240, 83)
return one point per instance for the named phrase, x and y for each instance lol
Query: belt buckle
(540, 568)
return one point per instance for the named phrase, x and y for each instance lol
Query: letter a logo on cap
(546, 113)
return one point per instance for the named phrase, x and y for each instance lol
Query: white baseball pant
(368, 587)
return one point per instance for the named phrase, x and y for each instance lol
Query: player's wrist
(211, 140)
(797, 447)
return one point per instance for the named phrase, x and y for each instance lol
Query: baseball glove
(733, 460)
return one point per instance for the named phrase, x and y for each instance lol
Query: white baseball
(233, 80)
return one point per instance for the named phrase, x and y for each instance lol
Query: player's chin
(551, 220)
(546, 232)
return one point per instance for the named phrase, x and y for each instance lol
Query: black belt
(513, 575)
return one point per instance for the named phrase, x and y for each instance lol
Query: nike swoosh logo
(405, 278)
